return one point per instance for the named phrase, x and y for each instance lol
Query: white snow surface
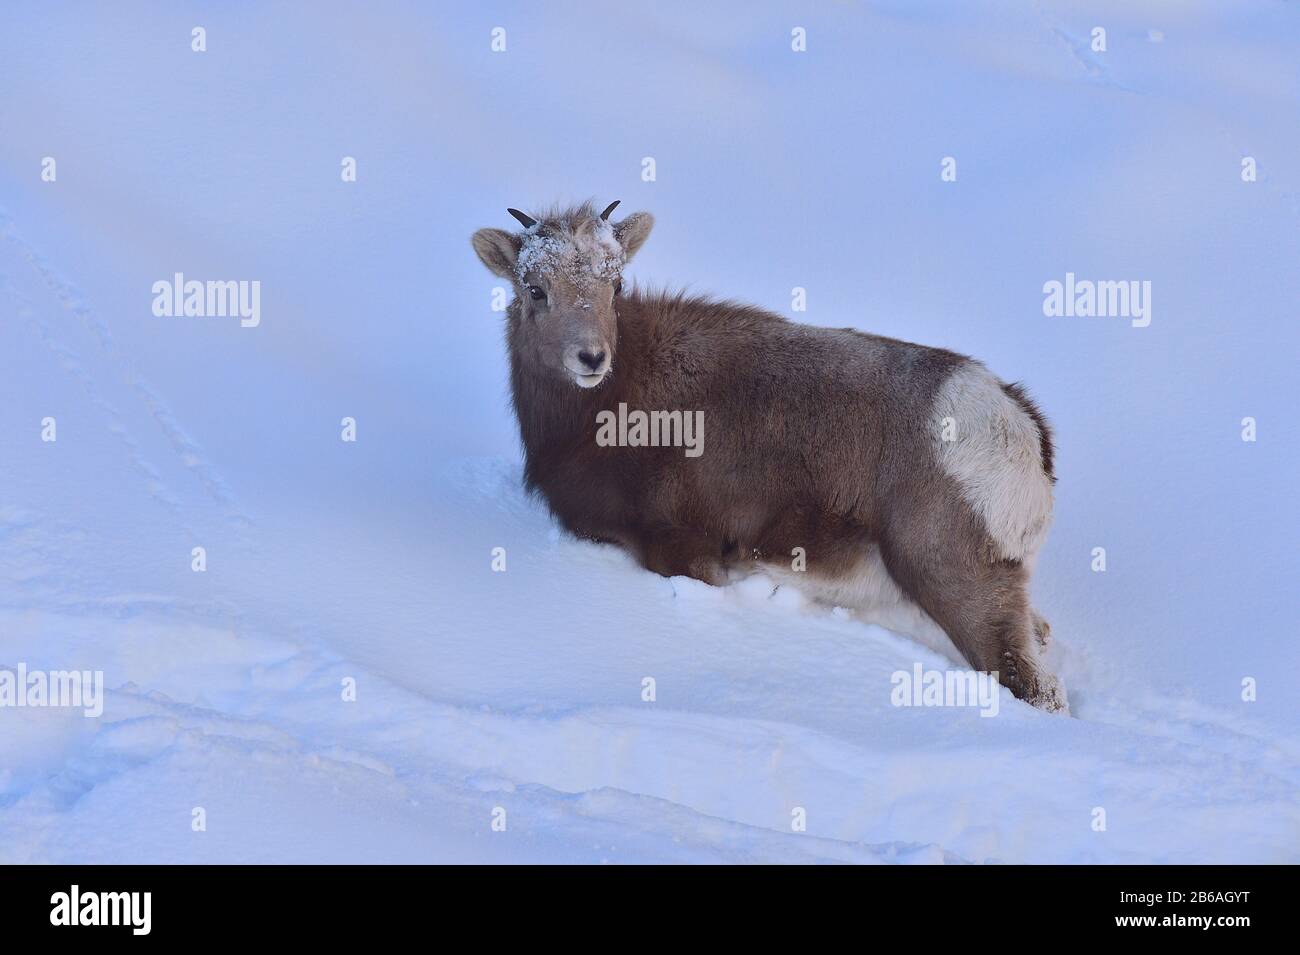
(371, 561)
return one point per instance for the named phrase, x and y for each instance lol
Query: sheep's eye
(536, 292)
(618, 286)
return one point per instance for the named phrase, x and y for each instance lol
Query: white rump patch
(992, 449)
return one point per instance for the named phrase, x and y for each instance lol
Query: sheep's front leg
(681, 552)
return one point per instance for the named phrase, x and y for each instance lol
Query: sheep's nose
(592, 360)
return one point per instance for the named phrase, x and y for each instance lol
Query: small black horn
(608, 209)
(526, 221)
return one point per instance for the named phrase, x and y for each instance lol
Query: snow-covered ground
(333, 564)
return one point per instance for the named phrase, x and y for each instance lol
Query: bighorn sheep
(914, 481)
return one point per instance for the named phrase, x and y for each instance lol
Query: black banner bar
(333, 904)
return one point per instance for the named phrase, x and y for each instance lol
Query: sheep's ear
(633, 231)
(498, 250)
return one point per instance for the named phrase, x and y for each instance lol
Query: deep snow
(371, 561)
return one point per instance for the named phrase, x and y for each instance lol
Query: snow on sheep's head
(567, 271)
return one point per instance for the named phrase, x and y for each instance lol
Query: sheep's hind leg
(983, 606)
(999, 632)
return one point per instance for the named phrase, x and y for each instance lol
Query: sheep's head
(567, 271)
